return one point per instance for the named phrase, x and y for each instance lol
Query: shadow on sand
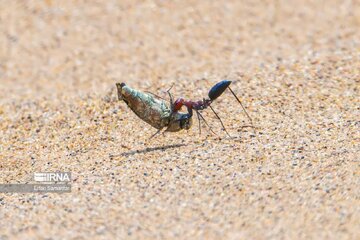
(147, 150)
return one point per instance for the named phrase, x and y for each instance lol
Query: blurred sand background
(295, 65)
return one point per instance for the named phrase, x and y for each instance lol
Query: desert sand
(294, 64)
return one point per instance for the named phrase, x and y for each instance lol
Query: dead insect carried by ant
(155, 110)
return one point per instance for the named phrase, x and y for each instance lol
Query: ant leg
(241, 105)
(222, 124)
(199, 114)
(168, 91)
(171, 97)
(157, 132)
(171, 104)
(252, 125)
(154, 95)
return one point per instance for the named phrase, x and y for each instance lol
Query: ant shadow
(147, 150)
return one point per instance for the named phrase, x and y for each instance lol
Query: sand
(294, 64)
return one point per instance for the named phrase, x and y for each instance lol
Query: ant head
(178, 104)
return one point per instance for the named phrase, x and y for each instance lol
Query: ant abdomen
(218, 89)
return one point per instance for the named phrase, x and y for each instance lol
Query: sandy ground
(294, 64)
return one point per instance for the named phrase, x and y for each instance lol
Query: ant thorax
(200, 105)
